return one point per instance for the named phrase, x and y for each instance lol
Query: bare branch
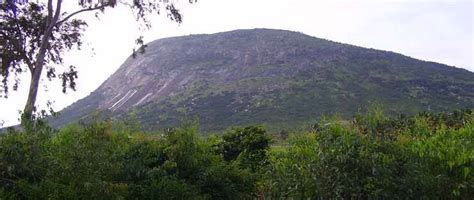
(27, 60)
(58, 12)
(50, 10)
(47, 32)
(80, 11)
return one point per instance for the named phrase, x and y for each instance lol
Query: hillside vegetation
(279, 78)
(425, 156)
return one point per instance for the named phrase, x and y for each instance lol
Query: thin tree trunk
(27, 115)
(32, 94)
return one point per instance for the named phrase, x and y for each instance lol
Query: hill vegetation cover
(279, 78)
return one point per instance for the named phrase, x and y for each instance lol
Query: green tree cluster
(98, 162)
(428, 156)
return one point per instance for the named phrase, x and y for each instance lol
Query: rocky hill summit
(263, 76)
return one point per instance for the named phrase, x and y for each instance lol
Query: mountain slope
(275, 77)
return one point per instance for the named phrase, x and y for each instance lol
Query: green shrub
(248, 146)
(189, 163)
(422, 159)
(24, 162)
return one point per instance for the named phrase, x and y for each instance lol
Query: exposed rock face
(276, 77)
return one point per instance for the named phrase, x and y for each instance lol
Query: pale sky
(432, 30)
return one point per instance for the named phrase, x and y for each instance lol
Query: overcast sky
(433, 30)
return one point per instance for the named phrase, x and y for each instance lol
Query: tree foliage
(35, 35)
(248, 146)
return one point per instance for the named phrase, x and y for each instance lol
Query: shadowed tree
(35, 35)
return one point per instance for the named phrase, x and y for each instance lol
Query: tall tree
(35, 35)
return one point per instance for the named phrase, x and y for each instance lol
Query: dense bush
(94, 162)
(427, 156)
(419, 160)
(246, 146)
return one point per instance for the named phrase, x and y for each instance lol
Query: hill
(274, 77)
